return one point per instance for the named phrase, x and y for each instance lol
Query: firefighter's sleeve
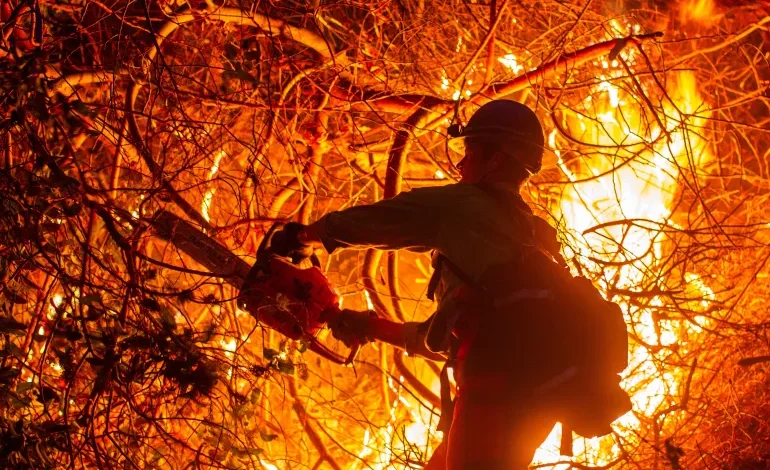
(409, 336)
(408, 221)
(414, 334)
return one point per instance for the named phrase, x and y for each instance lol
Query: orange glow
(410, 430)
(267, 466)
(699, 12)
(639, 181)
(138, 192)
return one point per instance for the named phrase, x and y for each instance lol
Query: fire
(629, 194)
(369, 304)
(267, 466)
(698, 11)
(409, 434)
(510, 61)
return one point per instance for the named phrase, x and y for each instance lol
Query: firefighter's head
(503, 142)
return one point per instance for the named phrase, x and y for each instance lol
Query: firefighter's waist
(519, 295)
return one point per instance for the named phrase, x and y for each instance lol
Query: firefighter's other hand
(286, 242)
(353, 327)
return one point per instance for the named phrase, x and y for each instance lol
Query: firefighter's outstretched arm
(410, 221)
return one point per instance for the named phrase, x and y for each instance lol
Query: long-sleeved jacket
(475, 228)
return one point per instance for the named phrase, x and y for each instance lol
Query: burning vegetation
(118, 350)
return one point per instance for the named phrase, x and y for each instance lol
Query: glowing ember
(369, 304)
(230, 348)
(510, 61)
(267, 466)
(209, 194)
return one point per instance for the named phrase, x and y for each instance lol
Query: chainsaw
(294, 301)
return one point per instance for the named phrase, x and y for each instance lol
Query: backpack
(589, 397)
(592, 398)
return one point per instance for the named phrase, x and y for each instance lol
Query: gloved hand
(352, 326)
(286, 242)
(247, 299)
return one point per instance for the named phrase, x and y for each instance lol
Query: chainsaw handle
(323, 351)
(353, 353)
(284, 248)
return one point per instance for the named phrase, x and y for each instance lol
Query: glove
(246, 295)
(285, 242)
(352, 326)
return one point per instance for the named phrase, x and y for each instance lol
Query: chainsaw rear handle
(319, 348)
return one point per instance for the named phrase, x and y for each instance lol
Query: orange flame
(702, 12)
(411, 427)
(638, 183)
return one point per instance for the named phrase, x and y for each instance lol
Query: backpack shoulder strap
(460, 273)
(435, 277)
(442, 260)
(544, 236)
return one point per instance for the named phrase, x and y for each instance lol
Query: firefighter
(509, 347)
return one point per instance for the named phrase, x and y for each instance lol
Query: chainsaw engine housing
(294, 301)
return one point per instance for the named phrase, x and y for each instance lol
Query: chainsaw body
(297, 302)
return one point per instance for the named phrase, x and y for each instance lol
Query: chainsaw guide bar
(202, 248)
(295, 302)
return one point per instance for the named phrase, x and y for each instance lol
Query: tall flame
(629, 196)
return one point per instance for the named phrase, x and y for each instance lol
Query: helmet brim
(457, 144)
